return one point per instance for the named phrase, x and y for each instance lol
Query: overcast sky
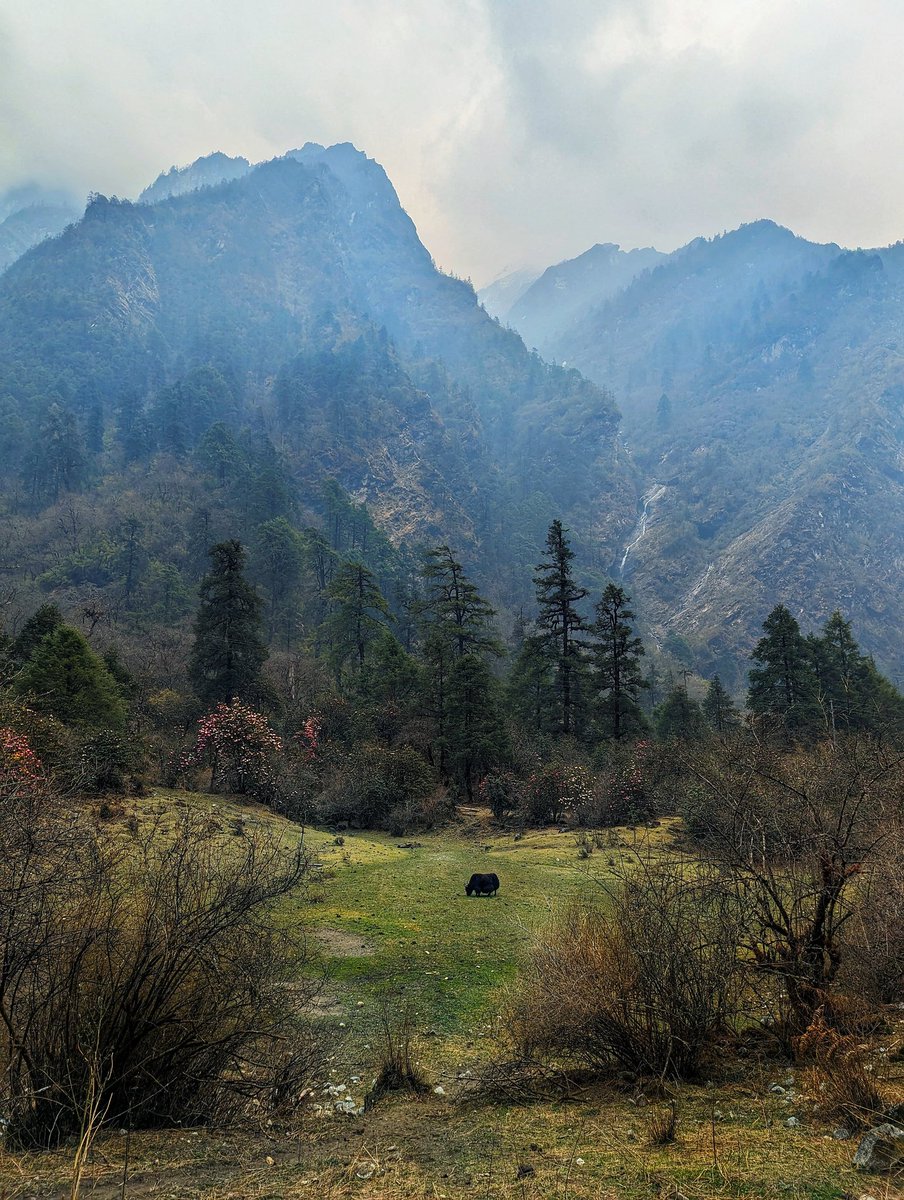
(515, 131)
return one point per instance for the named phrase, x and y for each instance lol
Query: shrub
(555, 792)
(499, 792)
(142, 978)
(648, 986)
(839, 1075)
(873, 946)
(372, 781)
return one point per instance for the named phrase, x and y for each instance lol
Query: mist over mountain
(249, 346)
(30, 214)
(760, 382)
(203, 172)
(548, 304)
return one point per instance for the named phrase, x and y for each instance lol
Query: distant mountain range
(761, 382)
(30, 214)
(759, 456)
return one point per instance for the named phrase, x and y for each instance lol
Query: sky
(517, 132)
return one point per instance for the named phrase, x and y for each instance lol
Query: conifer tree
(617, 655)
(560, 624)
(360, 613)
(228, 651)
(42, 622)
(719, 708)
(785, 684)
(456, 625)
(453, 606)
(66, 678)
(475, 731)
(531, 685)
(679, 717)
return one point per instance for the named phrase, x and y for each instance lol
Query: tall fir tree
(456, 636)
(617, 654)
(359, 614)
(560, 624)
(680, 718)
(531, 685)
(719, 709)
(475, 732)
(785, 684)
(228, 651)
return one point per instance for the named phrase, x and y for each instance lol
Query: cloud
(514, 130)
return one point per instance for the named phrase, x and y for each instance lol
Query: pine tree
(455, 623)
(719, 708)
(785, 685)
(360, 613)
(42, 622)
(680, 718)
(617, 656)
(560, 623)
(66, 678)
(531, 685)
(474, 728)
(228, 651)
(452, 604)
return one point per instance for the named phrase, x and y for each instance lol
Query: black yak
(483, 885)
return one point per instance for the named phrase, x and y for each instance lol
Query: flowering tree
(237, 744)
(309, 736)
(554, 792)
(19, 765)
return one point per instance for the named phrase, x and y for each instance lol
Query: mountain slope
(30, 214)
(760, 378)
(292, 317)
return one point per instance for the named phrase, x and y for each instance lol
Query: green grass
(391, 922)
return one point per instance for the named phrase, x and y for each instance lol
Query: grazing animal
(483, 885)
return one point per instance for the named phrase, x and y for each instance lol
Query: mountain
(28, 215)
(247, 348)
(546, 309)
(761, 380)
(208, 171)
(506, 290)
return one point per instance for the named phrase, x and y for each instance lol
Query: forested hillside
(278, 347)
(760, 380)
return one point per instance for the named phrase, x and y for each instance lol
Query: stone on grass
(881, 1149)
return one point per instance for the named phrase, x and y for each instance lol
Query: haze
(515, 132)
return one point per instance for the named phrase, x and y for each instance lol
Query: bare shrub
(663, 1128)
(873, 943)
(648, 985)
(397, 1071)
(791, 831)
(139, 976)
(839, 1076)
(372, 782)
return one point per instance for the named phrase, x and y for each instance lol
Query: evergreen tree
(279, 555)
(452, 605)
(228, 651)
(64, 677)
(785, 684)
(41, 623)
(560, 623)
(680, 718)
(617, 655)
(475, 732)
(719, 708)
(531, 685)
(852, 692)
(360, 613)
(456, 623)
